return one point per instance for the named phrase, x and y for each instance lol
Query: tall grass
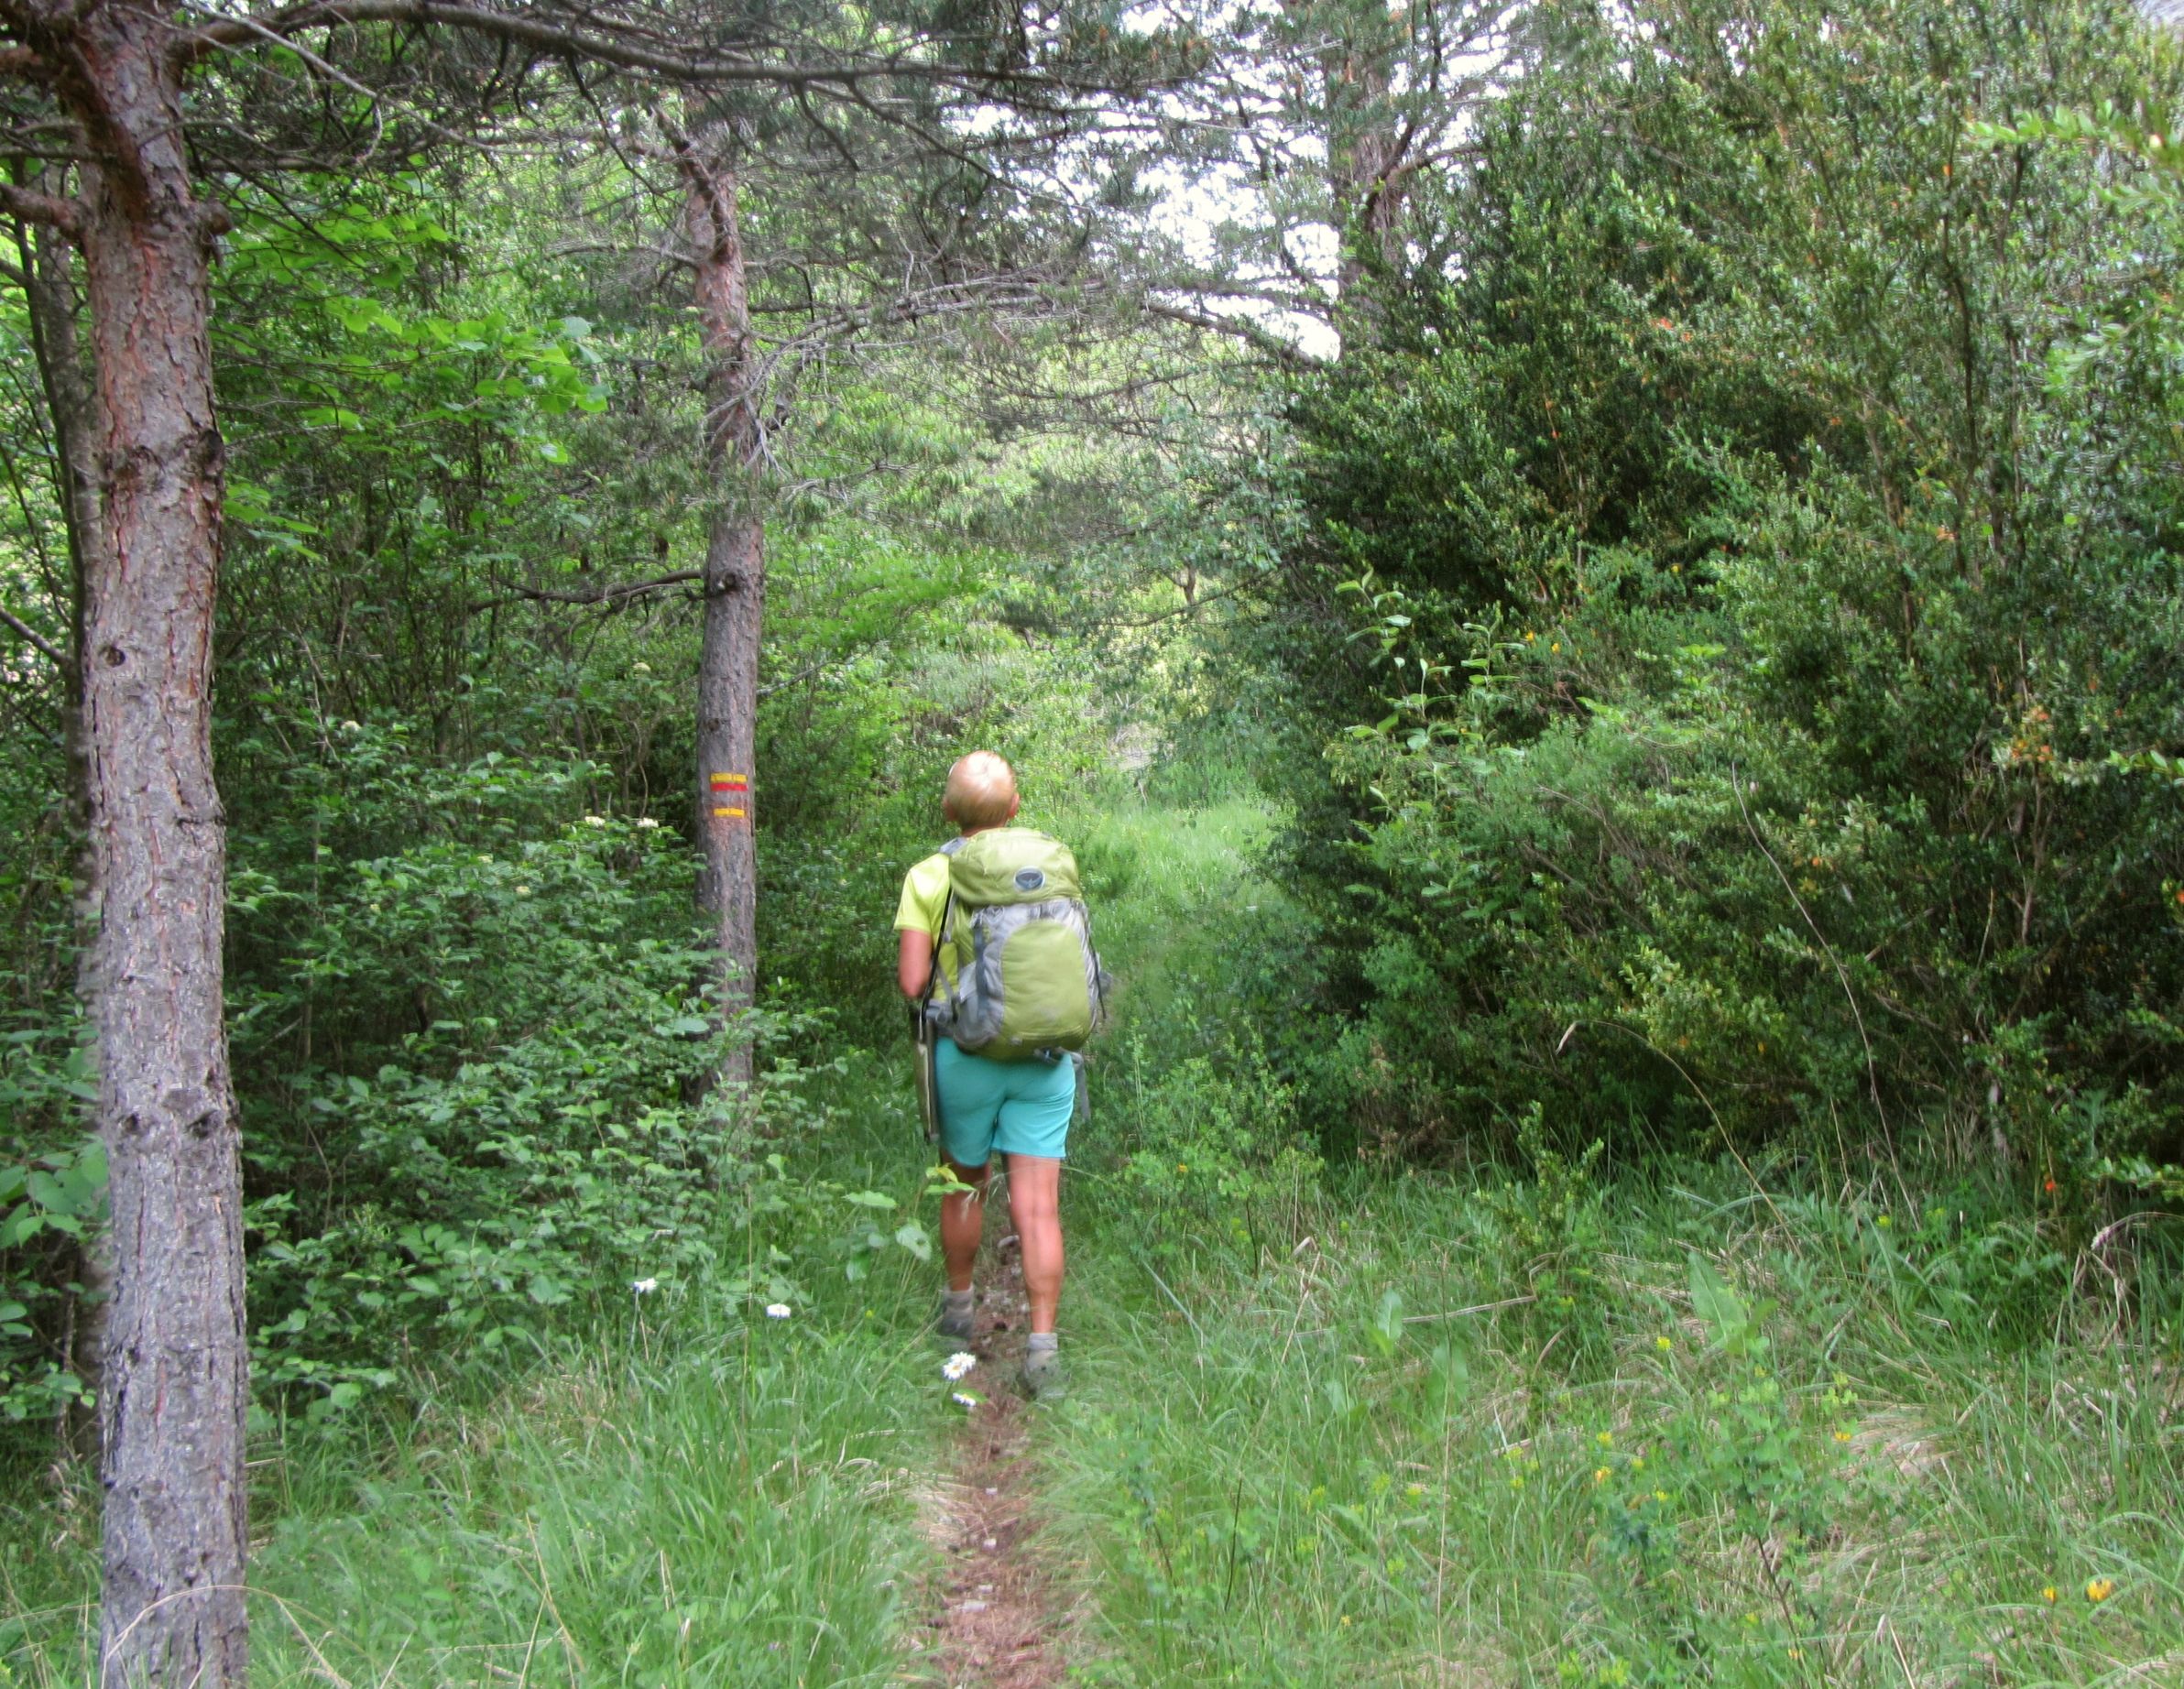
(696, 1494)
(1342, 1463)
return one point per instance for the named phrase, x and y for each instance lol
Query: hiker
(1004, 1064)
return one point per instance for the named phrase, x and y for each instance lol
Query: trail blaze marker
(731, 786)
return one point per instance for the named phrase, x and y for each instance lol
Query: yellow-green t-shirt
(925, 903)
(924, 897)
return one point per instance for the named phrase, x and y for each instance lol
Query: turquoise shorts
(1017, 1107)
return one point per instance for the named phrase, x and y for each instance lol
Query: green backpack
(1027, 981)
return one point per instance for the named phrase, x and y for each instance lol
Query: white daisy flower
(957, 1365)
(965, 1400)
(777, 1310)
(644, 1287)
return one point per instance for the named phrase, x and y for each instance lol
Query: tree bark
(734, 590)
(174, 1389)
(1364, 168)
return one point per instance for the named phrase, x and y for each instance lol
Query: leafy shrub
(473, 1039)
(1750, 756)
(1209, 1150)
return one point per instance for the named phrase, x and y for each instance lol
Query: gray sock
(957, 1301)
(1043, 1376)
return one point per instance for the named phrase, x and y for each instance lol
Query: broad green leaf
(48, 1192)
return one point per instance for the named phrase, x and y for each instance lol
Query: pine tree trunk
(172, 1404)
(1365, 158)
(734, 591)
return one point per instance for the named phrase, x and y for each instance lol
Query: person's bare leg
(1036, 1205)
(962, 1223)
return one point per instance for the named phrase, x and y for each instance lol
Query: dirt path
(1002, 1623)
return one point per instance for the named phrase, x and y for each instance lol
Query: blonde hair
(982, 791)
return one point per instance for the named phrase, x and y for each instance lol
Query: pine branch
(583, 35)
(34, 207)
(610, 593)
(58, 659)
(1255, 335)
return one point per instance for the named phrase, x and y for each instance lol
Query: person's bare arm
(914, 962)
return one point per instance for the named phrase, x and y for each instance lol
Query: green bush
(473, 1041)
(1764, 608)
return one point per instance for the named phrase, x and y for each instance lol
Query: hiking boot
(1042, 1377)
(956, 1327)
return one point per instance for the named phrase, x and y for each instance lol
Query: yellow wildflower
(2100, 1588)
(1599, 1475)
(2049, 1594)
(1664, 1345)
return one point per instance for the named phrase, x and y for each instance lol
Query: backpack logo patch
(1030, 879)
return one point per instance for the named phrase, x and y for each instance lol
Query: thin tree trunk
(50, 290)
(172, 1405)
(735, 590)
(50, 293)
